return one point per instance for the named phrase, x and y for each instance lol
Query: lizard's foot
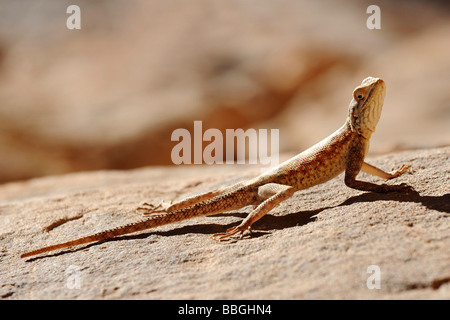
(242, 229)
(399, 172)
(148, 208)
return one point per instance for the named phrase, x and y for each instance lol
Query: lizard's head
(365, 107)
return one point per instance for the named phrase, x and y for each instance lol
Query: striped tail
(104, 235)
(151, 222)
(218, 204)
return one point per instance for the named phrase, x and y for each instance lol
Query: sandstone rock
(318, 244)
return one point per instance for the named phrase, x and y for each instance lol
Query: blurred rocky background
(108, 96)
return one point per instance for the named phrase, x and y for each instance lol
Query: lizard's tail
(151, 222)
(211, 206)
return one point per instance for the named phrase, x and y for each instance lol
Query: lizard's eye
(359, 94)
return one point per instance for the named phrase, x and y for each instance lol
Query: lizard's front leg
(355, 164)
(269, 196)
(368, 168)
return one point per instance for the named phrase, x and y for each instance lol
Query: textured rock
(318, 244)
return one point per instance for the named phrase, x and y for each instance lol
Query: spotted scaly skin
(342, 151)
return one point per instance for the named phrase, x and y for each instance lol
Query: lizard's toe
(242, 229)
(148, 208)
(400, 171)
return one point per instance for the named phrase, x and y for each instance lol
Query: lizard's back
(322, 162)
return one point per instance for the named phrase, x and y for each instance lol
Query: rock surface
(318, 244)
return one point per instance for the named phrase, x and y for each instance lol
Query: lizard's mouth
(368, 101)
(380, 86)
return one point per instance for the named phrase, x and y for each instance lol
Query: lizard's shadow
(262, 227)
(278, 222)
(438, 203)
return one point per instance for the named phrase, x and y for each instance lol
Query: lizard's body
(344, 150)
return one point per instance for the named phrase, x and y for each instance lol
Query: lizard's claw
(148, 208)
(242, 229)
(399, 172)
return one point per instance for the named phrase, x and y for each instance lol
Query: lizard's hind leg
(269, 196)
(148, 209)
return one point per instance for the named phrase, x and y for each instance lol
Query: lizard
(342, 151)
